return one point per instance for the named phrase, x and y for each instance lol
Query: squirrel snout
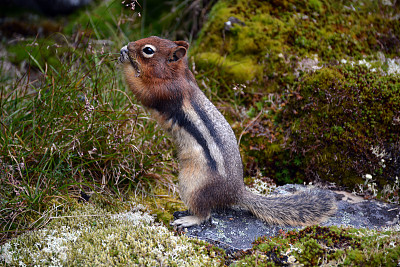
(124, 58)
(124, 55)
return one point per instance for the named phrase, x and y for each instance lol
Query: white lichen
(307, 65)
(386, 66)
(393, 66)
(91, 236)
(261, 187)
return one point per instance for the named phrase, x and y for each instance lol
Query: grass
(69, 126)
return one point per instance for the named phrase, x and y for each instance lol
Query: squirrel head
(156, 69)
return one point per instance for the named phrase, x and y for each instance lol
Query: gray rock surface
(235, 228)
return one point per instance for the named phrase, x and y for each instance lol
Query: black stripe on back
(173, 109)
(193, 130)
(208, 123)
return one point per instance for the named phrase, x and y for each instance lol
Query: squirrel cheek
(131, 76)
(133, 68)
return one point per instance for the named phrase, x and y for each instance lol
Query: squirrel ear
(183, 43)
(177, 54)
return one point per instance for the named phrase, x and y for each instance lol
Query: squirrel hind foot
(187, 221)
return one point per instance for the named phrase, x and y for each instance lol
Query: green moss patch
(344, 124)
(241, 70)
(318, 245)
(277, 44)
(90, 235)
(297, 29)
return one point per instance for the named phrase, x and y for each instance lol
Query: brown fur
(210, 165)
(156, 81)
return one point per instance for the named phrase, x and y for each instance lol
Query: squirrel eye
(148, 51)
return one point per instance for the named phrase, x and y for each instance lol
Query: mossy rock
(274, 35)
(315, 245)
(267, 49)
(344, 122)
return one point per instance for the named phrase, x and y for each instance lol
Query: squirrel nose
(124, 54)
(124, 49)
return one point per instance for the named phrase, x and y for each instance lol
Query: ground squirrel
(211, 171)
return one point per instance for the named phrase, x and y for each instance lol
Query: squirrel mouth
(135, 65)
(125, 58)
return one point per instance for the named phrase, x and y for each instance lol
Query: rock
(235, 229)
(353, 211)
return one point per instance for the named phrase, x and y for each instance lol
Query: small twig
(85, 215)
(248, 126)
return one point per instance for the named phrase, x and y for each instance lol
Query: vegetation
(68, 126)
(343, 123)
(92, 234)
(300, 82)
(317, 245)
(270, 49)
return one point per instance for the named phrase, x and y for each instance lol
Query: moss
(299, 28)
(318, 245)
(344, 117)
(281, 38)
(91, 235)
(315, 6)
(242, 71)
(164, 203)
(323, 79)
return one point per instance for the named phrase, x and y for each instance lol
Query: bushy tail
(303, 208)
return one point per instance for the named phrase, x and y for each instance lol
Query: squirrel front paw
(187, 221)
